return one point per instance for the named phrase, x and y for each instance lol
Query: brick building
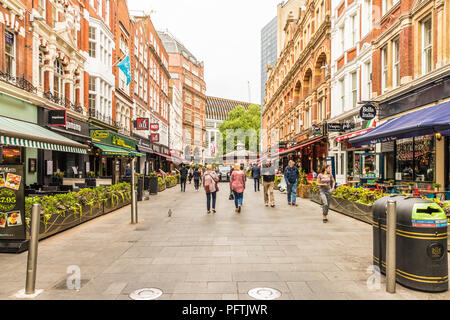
(298, 88)
(411, 74)
(190, 72)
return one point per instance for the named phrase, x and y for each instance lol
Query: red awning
(353, 134)
(300, 146)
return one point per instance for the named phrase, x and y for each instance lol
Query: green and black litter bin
(421, 242)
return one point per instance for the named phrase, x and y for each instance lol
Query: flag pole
(119, 61)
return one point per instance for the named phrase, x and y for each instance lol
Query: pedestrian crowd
(209, 179)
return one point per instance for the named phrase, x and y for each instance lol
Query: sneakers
(272, 205)
(267, 204)
(289, 203)
(214, 210)
(239, 209)
(295, 205)
(209, 212)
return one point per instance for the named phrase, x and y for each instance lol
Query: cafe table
(433, 192)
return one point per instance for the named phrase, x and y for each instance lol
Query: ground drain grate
(264, 293)
(146, 294)
(62, 285)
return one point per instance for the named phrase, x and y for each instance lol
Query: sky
(226, 35)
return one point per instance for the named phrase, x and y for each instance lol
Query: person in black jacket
(256, 175)
(268, 174)
(291, 176)
(197, 178)
(183, 178)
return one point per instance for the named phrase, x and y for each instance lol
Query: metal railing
(101, 117)
(63, 101)
(19, 82)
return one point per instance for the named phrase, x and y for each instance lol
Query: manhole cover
(264, 293)
(146, 294)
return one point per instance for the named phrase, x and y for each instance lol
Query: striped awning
(39, 145)
(19, 133)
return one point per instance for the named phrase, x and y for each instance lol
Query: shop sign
(154, 137)
(106, 137)
(334, 127)
(302, 138)
(316, 130)
(12, 202)
(57, 118)
(154, 126)
(142, 124)
(368, 112)
(71, 125)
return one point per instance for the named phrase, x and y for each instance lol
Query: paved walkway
(192, 255)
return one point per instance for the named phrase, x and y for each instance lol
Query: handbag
(231, 197)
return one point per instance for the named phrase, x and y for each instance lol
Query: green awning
(30, 135)
(114, 151)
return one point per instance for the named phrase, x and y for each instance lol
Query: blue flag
(125, 66)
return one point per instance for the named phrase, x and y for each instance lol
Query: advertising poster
(12, 203)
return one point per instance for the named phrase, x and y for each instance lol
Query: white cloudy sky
(226, 35)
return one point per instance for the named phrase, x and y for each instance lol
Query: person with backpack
(268, 174)
(183, 177)
(291, 175)
(324, 181)
(210, 180)
(190, 174)
(256, 175)
(197, 178)
(237, 185)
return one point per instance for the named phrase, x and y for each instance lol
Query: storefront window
(416, 159)
(370, 164)
(11, 156)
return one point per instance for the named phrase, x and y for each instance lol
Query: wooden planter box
(303, 191)
(352, 209)
(59, 223)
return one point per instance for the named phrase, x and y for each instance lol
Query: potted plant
(436, 186)
(391, 182)
(153, 183)
(90, 179)
(58, 177)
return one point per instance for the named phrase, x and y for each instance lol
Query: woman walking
(237, 185)
(197, 178)
(324, 180)
(190, 174)
(210, 180)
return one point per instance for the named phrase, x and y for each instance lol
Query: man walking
(256, 175)
(268, 174)
(291, 176)
(183, 177)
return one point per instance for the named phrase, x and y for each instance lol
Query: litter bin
(421, 242)
(140, 188)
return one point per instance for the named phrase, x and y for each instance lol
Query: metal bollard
(30, 284)
(133, 193)
(391, 220)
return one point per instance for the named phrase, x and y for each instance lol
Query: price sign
(12, 203)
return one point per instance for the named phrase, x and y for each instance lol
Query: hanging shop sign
(154, 126)
(114, 139)
(142, 123)
(12, 202)
(334, 127)
(74, 125)
(316, 130)
(368, 112)
(154, 137)
(57, 117)
(347, 126)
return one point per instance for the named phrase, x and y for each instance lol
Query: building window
(354, 30)
(368, 72)
(319, 110)
(426, 46)
(384, 6)
(92, 42)
(10, 53)
(107, 11)
(396, 63)
(42, 7)
(41, 68)
(58, 86)
(99, 8)
(354, 90)
(342, 38)
(384, 69)
(367, 17)
(342, 85)
(92, 93)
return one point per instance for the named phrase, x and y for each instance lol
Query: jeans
(183, 185)
(325, 195)
(268, 190)
(256, 182)
(238, 197)
(291, 192)
(208, 200)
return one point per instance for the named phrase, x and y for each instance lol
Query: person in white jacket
(210, 180)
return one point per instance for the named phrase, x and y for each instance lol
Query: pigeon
(170, 212)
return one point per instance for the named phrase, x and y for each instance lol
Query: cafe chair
(416, 192)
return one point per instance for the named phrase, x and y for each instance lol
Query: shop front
(73, 165)
(111, 154)
(414, 145)
(160, 159)
(145, 165)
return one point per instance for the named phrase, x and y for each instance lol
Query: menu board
(12, 203)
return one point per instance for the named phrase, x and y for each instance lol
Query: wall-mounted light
(439, 136)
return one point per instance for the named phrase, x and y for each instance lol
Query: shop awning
(353, 134)
(114, 151)
(419, 123)
(30, 135)
(300, 146)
